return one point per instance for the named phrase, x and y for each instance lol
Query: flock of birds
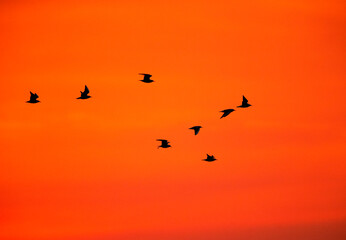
(164, 142)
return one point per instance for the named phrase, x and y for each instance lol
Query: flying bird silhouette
(196, 129)
(244, 104)
(164, 143)
(84, 95)
(209, 158)
(146, 78)
(226, 112)
(33, 98)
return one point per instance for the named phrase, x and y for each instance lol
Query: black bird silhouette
(33, 98)
(84, 95)
(226, 112)
(244, 104)
(164, 143)
(210, 158)
(146, 78)
(196, 129)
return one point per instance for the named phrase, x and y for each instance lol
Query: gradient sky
(73, 169)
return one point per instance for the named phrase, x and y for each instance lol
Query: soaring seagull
(226, 112)
(164, 143)
(244, 104)
(84, 95)
(33, 98)
(210, 158)
(146, 78)
(196, 129)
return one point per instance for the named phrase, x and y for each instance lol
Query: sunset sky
(90, 169)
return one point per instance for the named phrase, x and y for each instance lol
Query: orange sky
(73, 169)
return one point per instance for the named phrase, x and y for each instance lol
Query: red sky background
(73, 169)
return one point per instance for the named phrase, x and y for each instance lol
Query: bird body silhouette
(164, 143)
(226, 112)
(209, 158)
(33, 98)
(146, 78)
(84, 95)
(245, 103)
(196, 129)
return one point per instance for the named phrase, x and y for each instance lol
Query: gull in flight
(84, 95)
(33, 98)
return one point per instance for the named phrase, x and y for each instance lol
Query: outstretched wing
(86, 90)
(225, 113)
(163, 141)
(244, 100)
(145, 74)
(196, 129)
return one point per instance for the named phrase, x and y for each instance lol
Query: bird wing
(196, 129)
(145, 74)
(86, 90)
(225, 113)
(163, 141)
(244, 100)
(33, 96)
